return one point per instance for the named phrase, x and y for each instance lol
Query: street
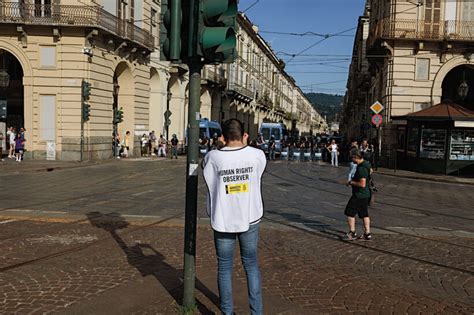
(108, 239)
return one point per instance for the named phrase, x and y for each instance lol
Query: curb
(434, 179)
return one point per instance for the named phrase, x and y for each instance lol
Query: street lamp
(115, 92)
(116, 89)
(4, 78)
(463, 90)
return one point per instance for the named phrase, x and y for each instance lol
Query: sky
(324, 67)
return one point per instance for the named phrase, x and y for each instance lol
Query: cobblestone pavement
(107, 239)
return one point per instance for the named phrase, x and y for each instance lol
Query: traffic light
(217, 31)
(170, 30)
(85, 96)
(86, 111)
(118, 116)
(86, 90)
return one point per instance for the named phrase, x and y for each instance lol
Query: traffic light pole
(192, 184)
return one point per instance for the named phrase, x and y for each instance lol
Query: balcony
(240, 92)
(214, 74)
(405, 29)
(74, 16)
(265, 101)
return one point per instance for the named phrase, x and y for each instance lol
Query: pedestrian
(334, 150)
(366, 150)
(1, 146)
(153, 143)
(116, 146)
(11, 136)
(352, 166)
(19, 146)
(144, 143)
(271, 148)
(174, 146)
(260, 142)
(126, 145)
(359, 202)
(162, 146)
(234, 177)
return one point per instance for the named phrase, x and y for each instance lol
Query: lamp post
(463, 90)
(115, 93)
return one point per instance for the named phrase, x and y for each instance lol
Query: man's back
(233, 177)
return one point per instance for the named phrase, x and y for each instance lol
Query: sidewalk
(9, 166)
(430, 177)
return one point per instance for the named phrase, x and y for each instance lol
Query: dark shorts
(19, 151)
(357, 206)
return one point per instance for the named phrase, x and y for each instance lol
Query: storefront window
(462, 145)
(433, 144)
(412, 143)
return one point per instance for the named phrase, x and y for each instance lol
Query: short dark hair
(233, 130)
(357, 155)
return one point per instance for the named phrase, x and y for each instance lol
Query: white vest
(234, 180)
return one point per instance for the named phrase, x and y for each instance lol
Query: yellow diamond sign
(377, 108)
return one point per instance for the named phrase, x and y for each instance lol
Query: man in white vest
(233, 176)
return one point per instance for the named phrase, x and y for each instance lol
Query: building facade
(408, 55)
(48, 48)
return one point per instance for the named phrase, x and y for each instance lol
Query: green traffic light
(217, 25)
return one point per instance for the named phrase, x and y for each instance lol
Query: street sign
(377, 120)
(377, 108)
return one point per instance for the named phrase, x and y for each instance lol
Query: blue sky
(318, 16)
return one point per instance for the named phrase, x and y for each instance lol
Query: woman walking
(19, 147)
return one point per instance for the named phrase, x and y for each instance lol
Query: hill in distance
(328, 105)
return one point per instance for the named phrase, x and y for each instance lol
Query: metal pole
(82, 133)
(192, 184)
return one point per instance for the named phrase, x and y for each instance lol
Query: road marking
(140, 216)
(19, 210)
(142, 193)
(52, 211)
(8, 221)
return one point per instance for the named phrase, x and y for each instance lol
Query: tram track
(375, 226)
(87, 245)
(361, 244)
(378, 202)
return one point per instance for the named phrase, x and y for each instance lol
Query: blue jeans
(334, 159)
(225, 243)
(271, 154)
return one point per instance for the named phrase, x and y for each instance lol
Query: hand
(348, 183)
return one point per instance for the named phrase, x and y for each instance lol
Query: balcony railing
(421, 30)
(247, 95)
(73, 15)
(214, 74)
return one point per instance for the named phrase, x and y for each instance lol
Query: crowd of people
(15, 143)
(150, 145)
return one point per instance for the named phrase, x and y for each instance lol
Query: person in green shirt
(359, 202)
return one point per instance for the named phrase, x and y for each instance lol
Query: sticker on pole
(377, 108)
(193, 169)
(377, 120)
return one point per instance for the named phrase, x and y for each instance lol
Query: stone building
(408, 55)
(48, 48)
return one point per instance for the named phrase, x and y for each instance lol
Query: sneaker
(366, 237)
(350, 236)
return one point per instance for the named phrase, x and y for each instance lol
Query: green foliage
(328, 105)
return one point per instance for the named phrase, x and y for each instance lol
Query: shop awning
(443, 112)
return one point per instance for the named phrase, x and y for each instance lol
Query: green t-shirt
(363, 171)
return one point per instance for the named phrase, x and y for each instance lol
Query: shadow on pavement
(148, 261)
